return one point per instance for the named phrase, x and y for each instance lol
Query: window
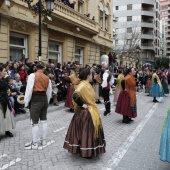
(54, 52)
(18, 46)
(129, 30)
(80, 6)
(117, 7)
(106, 19)
(128, 41)
(101, 15)
(129, 7)
(129, 18)
(116, 41)
(78, 55)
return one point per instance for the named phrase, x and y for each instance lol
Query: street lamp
(40, 8)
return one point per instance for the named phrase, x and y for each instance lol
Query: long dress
(118, 87)
(164, 83)
(156, 90)
(131, 90)
(7, 122)
(164, 150)
(74, 81)
(85, 134)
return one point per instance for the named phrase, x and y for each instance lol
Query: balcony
(71, 17)
(147, 12)
(147, 46)
(148, 35)
(147, 24)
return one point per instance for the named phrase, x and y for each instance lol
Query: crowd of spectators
(17, 73)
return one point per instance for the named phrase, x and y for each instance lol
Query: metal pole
(39, 48)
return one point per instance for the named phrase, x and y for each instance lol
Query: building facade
(136, 31)
(164, 49)
(80, 33)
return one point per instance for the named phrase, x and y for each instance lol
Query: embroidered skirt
(8, 123)
(69, 97)
(80, 137)
(164, 150)
(165, 86)
(123, 106)
(156, 91)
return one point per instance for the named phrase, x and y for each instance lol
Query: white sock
(44, 128)
(35, 132)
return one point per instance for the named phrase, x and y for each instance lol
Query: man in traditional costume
(156, 90)
(85, 134)
(38, 92)
(73, 81)
(106, 88)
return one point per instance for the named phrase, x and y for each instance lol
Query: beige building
(81, 34)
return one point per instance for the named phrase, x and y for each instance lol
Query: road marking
(48, 144)
(10, 163)
(117, 157)
(59, 129)
(2, 156)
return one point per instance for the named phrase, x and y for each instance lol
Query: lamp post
(40, 8)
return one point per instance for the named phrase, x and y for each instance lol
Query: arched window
(101, 15)
(106, 18)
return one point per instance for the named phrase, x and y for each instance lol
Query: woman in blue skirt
(164, 150)
(156, 90)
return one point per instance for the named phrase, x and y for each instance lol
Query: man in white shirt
(38, 92)
(106, 88)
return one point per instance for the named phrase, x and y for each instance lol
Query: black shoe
(155, 101)
(105, 113)
(71, 110)
(55, 104)
(126, 121)
(8, 133)
(129, 119)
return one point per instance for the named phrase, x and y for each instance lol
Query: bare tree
(130, 38)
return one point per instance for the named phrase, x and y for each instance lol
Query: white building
(137, 29)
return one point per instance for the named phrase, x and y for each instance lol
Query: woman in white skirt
(6, 116)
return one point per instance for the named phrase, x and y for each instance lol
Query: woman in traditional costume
(73, 81)
(148, 82)
(156, 90)
(85, 134)
(118, 86)
(164, 150)
(164, 82)
(130, 89)
(6, 116)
